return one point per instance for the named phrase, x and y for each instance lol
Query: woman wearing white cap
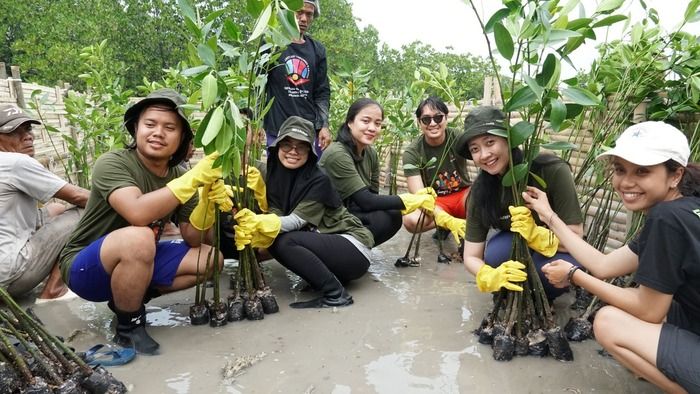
(654, 330)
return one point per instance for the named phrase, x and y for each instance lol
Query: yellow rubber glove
(242, 237)
(458, 227)
(490, 279)
(257, 230)
(539, 239)
(411, 202)
(256, 183)
(186, 185)
(204, 214)
(427, 190)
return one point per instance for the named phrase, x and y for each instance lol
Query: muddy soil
(409, 331)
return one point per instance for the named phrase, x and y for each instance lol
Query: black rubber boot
(131, 331)
(334, 295)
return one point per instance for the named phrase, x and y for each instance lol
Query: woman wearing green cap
(653, 329)
(308, 231)
(490, 206)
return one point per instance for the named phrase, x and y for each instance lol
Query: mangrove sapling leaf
(288, 21)
(194, 71)
(581, 96)
(522, 97)
(520, 132)
(557, 114)
(504, 41)
(540, 182)
(607, 6)
(516, 173)
(230, 31)
(206, 55)
(254, 7)
(214, 126)
(261, 23)
(187, 10)
(559, 145)
(496, 17)
(579, 23)
(536, 88)
(209, 91)
(224, 139)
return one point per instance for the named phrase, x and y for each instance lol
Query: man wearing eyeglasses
(298, 83)
(447, 174)
(31, 237)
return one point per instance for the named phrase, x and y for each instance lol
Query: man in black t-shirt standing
(298, 83)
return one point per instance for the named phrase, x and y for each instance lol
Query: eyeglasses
(436, 118)
(287, 147)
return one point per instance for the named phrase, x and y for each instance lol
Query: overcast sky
(451, 23)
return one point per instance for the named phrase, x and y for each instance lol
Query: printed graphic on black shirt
(447, 183)
(298, 70)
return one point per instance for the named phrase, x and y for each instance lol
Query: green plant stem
(16, 358)
(51, 374)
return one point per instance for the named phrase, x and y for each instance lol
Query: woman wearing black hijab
(308, 231)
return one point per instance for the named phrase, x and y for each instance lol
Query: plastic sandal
(108, 355)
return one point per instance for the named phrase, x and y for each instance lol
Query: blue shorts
(88, 278)
(498, 250)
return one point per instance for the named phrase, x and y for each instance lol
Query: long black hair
(487, 192)
(344, 133)
(690, 182)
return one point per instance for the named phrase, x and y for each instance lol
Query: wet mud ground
(409, 331)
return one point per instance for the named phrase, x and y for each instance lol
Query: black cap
(480, 121)
(11, 117)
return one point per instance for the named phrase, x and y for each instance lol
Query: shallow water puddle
(180, 383)
(392, 373)
(161, 317)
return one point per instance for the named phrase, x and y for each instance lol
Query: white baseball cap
(650, 143)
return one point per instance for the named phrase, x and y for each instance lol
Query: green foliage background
(46, 37)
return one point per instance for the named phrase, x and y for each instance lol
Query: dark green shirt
(349, 176)
(332, 221)
(112, 171)
(561, 193)
(447, 178)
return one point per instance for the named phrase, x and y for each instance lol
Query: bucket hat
(169, 98)
(480, 121)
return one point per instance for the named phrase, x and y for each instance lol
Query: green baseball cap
(480, 121)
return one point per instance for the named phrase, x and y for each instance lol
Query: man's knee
(134, 243)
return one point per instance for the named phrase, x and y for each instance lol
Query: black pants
(316, 257)
(382, 224)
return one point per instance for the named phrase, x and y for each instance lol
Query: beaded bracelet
(570, 275)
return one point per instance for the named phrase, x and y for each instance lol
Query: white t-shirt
(23, 182)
